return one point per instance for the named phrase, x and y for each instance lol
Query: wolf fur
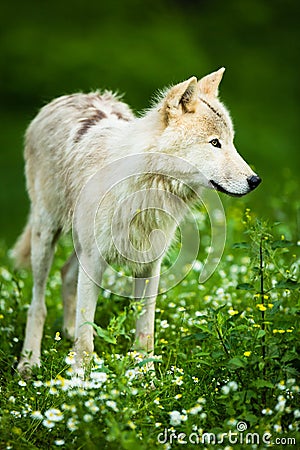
(77, 135)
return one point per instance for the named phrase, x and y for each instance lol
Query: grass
(227, 364)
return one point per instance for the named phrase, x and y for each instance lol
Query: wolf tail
(22, 249)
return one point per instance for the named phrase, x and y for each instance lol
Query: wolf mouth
(219, 188)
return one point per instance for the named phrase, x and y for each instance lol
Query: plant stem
(263, 326)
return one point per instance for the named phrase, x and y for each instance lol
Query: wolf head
(197, 127)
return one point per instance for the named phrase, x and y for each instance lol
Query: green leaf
(241, 245)
(236, 363)
(260, 334)
(260, 383)
(245, 286)
(147, 360)
(104, 334)
(282, 244)
(287, 284)
(197, 336)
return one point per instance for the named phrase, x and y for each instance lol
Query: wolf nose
(253, 181)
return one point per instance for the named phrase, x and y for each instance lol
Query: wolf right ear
(209, 84)
(180, 99)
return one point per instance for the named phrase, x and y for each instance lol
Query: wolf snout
(253, 181)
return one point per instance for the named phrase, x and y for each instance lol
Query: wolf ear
(181, 99)
(209, 85)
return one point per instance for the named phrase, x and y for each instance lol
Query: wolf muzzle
(253, 181)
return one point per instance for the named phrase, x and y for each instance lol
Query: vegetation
(227, 359)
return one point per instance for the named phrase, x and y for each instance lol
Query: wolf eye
(215, 142)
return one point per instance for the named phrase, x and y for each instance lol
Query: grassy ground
(227, 365)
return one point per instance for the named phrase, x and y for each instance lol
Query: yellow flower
(278, 331)
(261, 307)
(232, 312)
(270, 305)
(57, 336)
(247, 354)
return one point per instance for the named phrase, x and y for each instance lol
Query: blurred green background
(58, 47)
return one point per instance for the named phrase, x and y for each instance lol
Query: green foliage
(227, 358)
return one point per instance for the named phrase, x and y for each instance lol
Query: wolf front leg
(146, 288)
(87, 296)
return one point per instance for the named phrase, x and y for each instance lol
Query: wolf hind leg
(43, 237)
(69, 275)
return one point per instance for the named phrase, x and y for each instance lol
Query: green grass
(227, 356)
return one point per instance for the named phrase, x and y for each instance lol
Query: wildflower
(197, 266)
(297, 413)
(281, 403)
(72, 424)
(232, 312)
(261, 307)
(59, 442)
(267, 411)
(171, 305)
(178, 381)
(70, 359)
(157, 401)
(178, 396)
(195, 379)
(22, 383)
(281, 385)
(57, 336)
(131, 424)
(53, 414)
(12, 399)
(112, 404)
(48, 423)
(277, 428)
(53, 391)
(37, 384)
(195, 409)
(232, 422)
(98, 361)
(164, 324)
(87, 418)
(247, 354)
(130, 373)
(278, 331)
(37, 415)
(175, 418)
(158, 424)
(233, 385)
(225, 389)
(99, 377)
(91, 405)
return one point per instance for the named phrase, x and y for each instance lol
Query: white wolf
(76, 136)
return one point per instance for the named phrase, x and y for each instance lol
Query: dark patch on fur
(120, 116)
(86, 124)
(213, 110)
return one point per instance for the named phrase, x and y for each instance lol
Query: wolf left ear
(181, 99)
(209, 84)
